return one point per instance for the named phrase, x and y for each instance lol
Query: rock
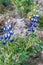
(40, 33)
(40, 64)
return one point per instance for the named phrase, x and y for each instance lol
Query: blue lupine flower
(29, 30)
(30, 24)
(35, 25)
(1, 37)
(9, 35)
(34, 20)
(36, 16)
(10, 27)
(11, 32)
(4, 30)
(5, 36)
(4, 43)
(7, 28)
(32, 30)
(12, 40)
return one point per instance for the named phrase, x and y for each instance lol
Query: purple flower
(33, 20)
(11, 32)
(4, 43)
(1, 37)
(30, 25)
(7, 28)
(12, 40)
(4, 30)
(10, 27)
(36, 16)
(9, 35)
(31, 29)
(5, 36)
(35, 25)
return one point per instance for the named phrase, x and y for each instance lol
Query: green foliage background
(1, 1)
(41, 22)
(17, 52)
(24, 6)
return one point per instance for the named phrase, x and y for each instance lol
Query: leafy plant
(17, 52)
(4, 5)
(24, 6)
